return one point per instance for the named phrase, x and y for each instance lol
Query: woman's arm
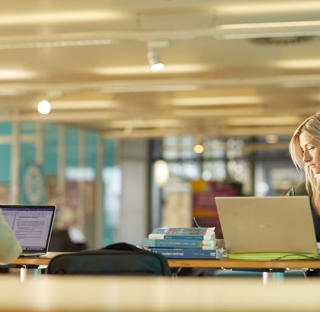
(10, 248)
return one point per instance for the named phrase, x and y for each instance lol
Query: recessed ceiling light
(44, 107)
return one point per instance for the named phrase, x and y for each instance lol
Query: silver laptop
(32, 226)
(267, 225)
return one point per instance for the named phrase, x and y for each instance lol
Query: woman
(304, 149)
(10, 248)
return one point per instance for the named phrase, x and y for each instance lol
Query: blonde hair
(311, 125)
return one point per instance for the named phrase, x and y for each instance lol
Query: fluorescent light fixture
(44, 107)
(56, 17)
(159, 123)
(83, 104)
(299, 64)
(270, 25)
(155, 61)
(132, 70)
(269, 29)
(150, 88)
(226, 100)
(258, 121)
(54, 44)
(267, 7)
(12, 74)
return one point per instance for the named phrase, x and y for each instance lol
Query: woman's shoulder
(297, 190)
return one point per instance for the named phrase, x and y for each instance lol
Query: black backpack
(115, 259)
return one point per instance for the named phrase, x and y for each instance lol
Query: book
(204, 233)
(179, 243)
(192, 237)
(185, 253)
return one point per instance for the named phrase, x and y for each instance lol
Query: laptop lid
(272, 224)
(32, 226)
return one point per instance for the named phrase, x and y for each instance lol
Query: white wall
(133, 161)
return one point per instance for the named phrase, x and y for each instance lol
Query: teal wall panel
(50, 149)
(91, 149)
(5, 128)
(72, 141)
(5, 163)
(28, 152)
(109, 153)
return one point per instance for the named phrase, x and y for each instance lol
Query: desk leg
(24, 271)
(267, 275)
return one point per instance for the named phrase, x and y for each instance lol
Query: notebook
(32, 226)
(272, 227)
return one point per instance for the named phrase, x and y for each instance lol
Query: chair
(116, 259)
(61, 241)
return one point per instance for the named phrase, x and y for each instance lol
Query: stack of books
(183, 243)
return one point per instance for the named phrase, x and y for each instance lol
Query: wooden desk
(244, 264)
(33, 262)
(125, 294)
(32, 265)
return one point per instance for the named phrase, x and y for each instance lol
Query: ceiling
(232, 68)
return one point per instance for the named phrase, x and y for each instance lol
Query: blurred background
(93, 94)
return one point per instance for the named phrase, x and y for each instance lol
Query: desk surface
(200, 263)
(244, 264)
(95, 294)
(36, 261)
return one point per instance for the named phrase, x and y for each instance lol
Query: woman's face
(311, 152)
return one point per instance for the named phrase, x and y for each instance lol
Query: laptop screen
(31, 224)
(271, 224)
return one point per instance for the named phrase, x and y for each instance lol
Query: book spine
(179, 243)
(192, 237)
(184, 231)
(174, 253)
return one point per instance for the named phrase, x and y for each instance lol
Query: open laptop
(272, 227)
(32, 226)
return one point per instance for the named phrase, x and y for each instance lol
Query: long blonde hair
(311, 125)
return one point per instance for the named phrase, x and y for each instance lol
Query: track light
(154, 61)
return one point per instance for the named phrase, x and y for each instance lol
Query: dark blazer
(300, 190)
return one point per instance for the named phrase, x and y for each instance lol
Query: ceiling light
(44, 107)
(83, 104)
(226, 100)
(198, 148)
(57, 17)
(299, 64)
(268, 29)
(154, 61)
(162, 172)
(265, 7)
(272, 138)
(12, 74)
(54, 44)
(254, 121)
